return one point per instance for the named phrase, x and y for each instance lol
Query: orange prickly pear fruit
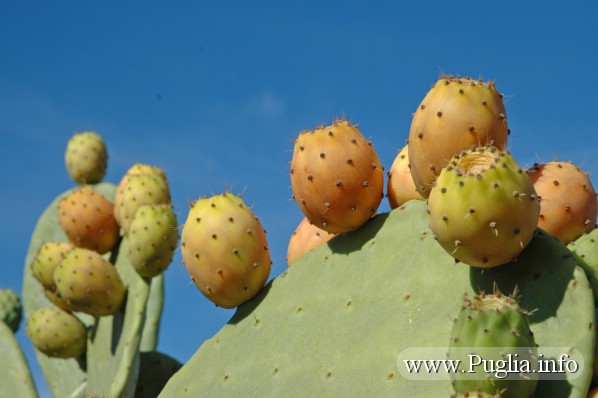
(305, 238)
(87, 219)
(400, 187)
(568, 200)
(456, 114)
(336, 176)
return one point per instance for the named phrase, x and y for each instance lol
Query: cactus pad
(335, 323)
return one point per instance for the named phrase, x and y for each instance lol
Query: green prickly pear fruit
(11, 309)
(568, 200)
(305, 238)
(48, 257)
(57, 333)
(136, 169)
(483, 207)
(400, 187)
(141, 189)
(225, 250)
(493, 327)
(336, 176)
(585, 251)
(153, 238)
(89, 283)
(456, 113)
(87, 219)
(86, 158)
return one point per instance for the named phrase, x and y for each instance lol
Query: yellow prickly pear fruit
(225, 250)
(57, 333)
(86, 158)
(87, 219)
(567, 200)
(336, 176)
(49, 255)
(136, 169)
(401, 187)
(305, 238)
(89, 283)
(456, 114)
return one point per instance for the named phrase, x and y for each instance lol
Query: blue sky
(215, 93)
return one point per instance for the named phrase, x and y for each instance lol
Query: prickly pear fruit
(593, 393)
(136, 169)
(483, 207)
(568, 200)
(456, 113)
(11, 309)
(225, 250)
(86, 157)
(400, 187)
(57, 333)
(48, 257)
(141, 189)
(493, 327)
(585, 251)
(87, 219)
(305, 238)
(153, 238)
(89, 283)
(336, 176)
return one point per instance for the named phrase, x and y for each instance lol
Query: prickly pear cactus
(113, 352)
(336, 323)
(113, 345)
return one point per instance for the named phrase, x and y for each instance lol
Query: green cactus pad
(114, 341)
(336, 322)
(14, 370)
(585, 250)
(153, 315)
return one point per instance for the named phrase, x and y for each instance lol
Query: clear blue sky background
(215, 92)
